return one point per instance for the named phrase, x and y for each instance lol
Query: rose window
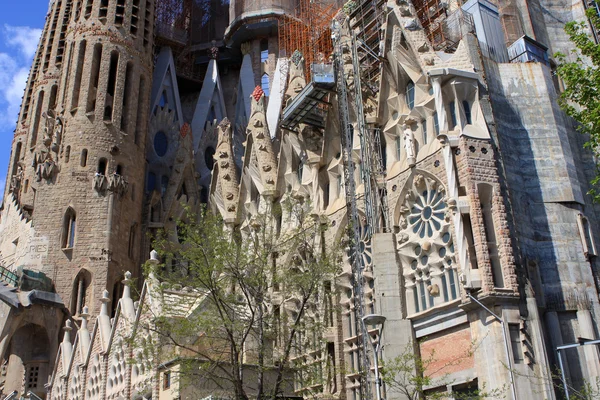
(425, 245)
(427, 213)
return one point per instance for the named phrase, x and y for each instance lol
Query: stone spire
(262, 146)
(127, 308)
(104, 321)
(297, 77)
(84, 333)
(67, 346)
(226, 172)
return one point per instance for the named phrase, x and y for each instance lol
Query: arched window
(467, 108)
(94, 78)
(67, 154)
(102, 164)
(69, 229)
(410, 95)
(80, 289)
(119, 169)
(84, 155)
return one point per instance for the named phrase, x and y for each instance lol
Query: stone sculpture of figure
(15, 182)
(48, 126)
(57, 135)
(409, 144)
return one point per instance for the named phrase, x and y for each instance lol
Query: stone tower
(76, 163)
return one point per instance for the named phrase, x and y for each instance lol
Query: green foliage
(581, 75)
(240, 305)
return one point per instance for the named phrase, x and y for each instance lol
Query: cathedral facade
(427, 133)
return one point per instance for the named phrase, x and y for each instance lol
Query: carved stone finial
(85, 315)
(105, 300)
(257, 93)
(213, 52)
(185, 130)
(296, 57)
(224, 124)
(68, 328)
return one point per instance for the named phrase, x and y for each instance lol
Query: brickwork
(442, 360)
(476, 164)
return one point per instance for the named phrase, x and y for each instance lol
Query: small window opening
(452, 109)
(467, 109)
(166, 380)
(69, 229)
(110, 89)
(102, 164)
(151, 184)
(84, 154)
(140, 110)
(94, 79)
(125, 117)
(515, 343)
(436, 124)
(36, 118)
(78, 75)
(410, 95)
(398, 148)
(67, 154)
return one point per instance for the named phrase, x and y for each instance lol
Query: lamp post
(378, 321)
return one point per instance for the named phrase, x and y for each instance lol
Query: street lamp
(377, 321)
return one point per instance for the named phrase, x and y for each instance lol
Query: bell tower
(76, 169)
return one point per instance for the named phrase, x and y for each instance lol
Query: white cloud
(14, 69)
(24, 38)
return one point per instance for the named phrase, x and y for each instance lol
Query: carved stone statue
(17, 178)
(57, 135)
(409, 144)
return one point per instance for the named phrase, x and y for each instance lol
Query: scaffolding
(308, 31)
(184, 24)
(173, 21)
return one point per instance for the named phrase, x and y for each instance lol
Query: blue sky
(21, 24)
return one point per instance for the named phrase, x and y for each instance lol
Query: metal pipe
(377, 378)
(508, 360)
(562, 373)
(583, 342)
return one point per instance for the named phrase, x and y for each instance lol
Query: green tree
(581, 76)
(253, 299)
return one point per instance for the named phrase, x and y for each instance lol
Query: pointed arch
(69, 231)
(165, 91)
(80, 292)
